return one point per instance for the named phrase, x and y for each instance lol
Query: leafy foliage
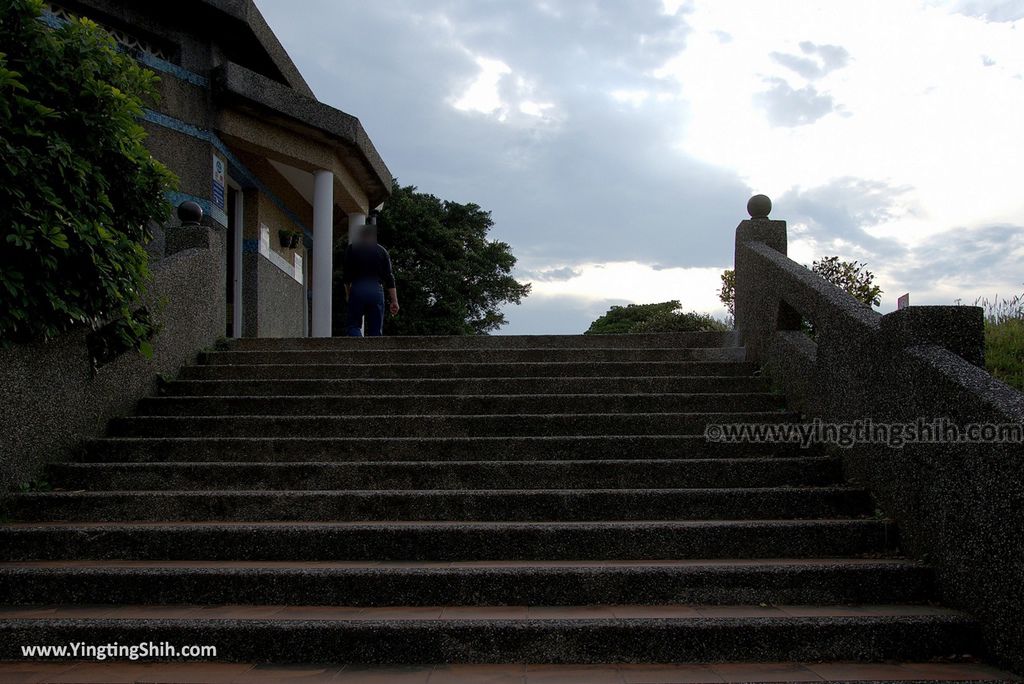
(35, 486)
(622, 319)
(1004, 338)
(451, 279)
(77, 187)
(653, 318)
(850, 276)
(727, 293)
(122, 334)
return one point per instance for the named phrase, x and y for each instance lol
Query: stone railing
(958, 506)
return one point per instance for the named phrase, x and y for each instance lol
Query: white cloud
(482, 94)
(622, 134)
(922, 109)
(537, 109)
(631, 281)
(989, 10)
(497, 92)
(633, 97)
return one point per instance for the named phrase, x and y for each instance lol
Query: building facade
(280, 173)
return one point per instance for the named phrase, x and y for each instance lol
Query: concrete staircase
(465, 500)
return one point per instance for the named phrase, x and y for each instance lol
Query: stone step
(470, 505)
(497, 355)
(481, 499)
(454, 475)
(377, 405)
(568, 369)
(344, 449)
(553, 634)
(770, 582)
(531, 673)
(682, 339)
(447, 541)
(435, 426)
(455, 386)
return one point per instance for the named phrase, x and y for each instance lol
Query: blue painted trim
(161, 119)
(251, 246)
(210, 209)
(238, 171)
(152, 61)
(179, 72)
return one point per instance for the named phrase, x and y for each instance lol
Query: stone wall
(959, 507)
(272, 304)
(50, 399)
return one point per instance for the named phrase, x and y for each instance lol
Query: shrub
(849, 276)
(77, 187)
(680, 321)
(652, 318)
(1004, 339)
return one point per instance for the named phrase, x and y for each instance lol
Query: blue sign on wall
(219, 181)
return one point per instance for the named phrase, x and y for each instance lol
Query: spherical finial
(759, 206)
(190, 213)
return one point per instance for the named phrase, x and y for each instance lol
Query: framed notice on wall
(219, 182)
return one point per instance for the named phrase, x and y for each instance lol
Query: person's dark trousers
(365, 299)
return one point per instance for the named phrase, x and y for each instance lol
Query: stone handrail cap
(759, 206)
(190, 213)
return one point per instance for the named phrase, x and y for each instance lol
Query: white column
(354, 222)
(323, 251)
(236, 257)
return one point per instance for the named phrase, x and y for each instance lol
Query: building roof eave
(234, 83)
(246, 12)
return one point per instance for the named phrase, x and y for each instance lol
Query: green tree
(727, 293)
(451, 279)
(77, 187)
(850, 276)
(652, 318)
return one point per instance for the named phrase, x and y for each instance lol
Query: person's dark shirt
(367, 261)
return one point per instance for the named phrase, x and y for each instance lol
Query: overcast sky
(616, 142)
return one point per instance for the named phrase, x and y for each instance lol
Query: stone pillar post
(960, 329)
(757, 306)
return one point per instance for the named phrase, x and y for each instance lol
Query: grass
(1004, 338)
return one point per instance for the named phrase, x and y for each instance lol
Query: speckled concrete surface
(430, 425)
(451, 475)
(823, 582)
(448, 540)
(424, 504)
(951, 501)
(465, 370)
(692, 673)
(423, 635)
(441, 527)
(49, 398)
